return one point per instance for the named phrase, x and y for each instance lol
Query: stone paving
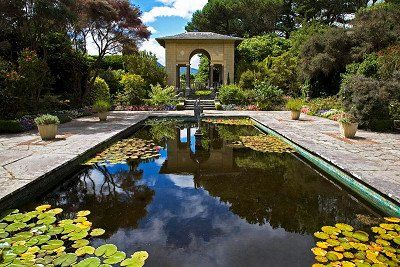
(374, 158)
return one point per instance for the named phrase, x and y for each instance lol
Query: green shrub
(295, 104)
(162, 96)
(394, 109)
(101, 106)
(113, 79)
(203, 92)
(268, 97)
(180, 106)
(47, 120)
(10, 126)
(327, 103)
(232, 94)
(247, 80)
(369, 100)
(133, 90)
(100, 91)
(218, 106)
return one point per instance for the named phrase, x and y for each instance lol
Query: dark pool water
(210, 204)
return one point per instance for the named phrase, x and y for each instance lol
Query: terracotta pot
(295, 115)
(348, 130)
(102, 116)
(48, 132)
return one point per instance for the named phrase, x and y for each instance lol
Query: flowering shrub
(146, 108)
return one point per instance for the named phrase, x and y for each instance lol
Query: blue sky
(166, 17)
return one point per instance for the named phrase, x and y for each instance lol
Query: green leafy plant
(100, 91)
(10, 126)
(41, 238)
(134, 90)
(162, 96)
(47, 120)
(231, 94)
(101, 106)
(342, 245)
(180, 106)
(218, 106)
(295, 104)
(347, 118)
(203, 92)
(268, 97)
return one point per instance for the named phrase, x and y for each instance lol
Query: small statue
(198, 114)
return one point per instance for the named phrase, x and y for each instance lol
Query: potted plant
(295, 105)
(47, 126)
(101, 107)
(348, 125)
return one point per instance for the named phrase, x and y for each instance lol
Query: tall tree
(111, 25)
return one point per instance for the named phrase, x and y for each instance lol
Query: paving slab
(373, 158)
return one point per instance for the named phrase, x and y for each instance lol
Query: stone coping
(372, 158)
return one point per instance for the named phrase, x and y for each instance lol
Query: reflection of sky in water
(195, 229)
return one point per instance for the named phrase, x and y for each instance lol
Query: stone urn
(102, 116)
(295, 114)
(48, 131)
(348, 129)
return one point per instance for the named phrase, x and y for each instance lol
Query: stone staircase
(206, 104)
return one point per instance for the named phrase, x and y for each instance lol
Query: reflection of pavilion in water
(186, 156)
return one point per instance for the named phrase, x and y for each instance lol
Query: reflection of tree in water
(283, 192)
(231, 133)
(116, 200)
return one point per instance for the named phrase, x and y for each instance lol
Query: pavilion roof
(197, 36)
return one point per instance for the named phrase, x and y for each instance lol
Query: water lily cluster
(40, 238)
(246, 122)
(266, 143)
(341, 245)
(125, 150)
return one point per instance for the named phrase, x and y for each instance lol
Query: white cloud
(152, 46)
(195, 62)
(178, 8)
(152, 29)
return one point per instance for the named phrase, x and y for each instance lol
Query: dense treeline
(313, 49)
(44, 62)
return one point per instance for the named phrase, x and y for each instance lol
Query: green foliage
(100, 91)
(162, 96)
(10, 126)
(369, 99)
(368, 67)
(389, 62)
(202, 74)
(47, 120)
(268, 97)
(248, 79)
(295, 104)
(231, 94)
(323, 58)
(218, 106)
(41, 238)
(301, 35)
(328, 103)
(203, 92)
(282, 71)
(146, 65)
(101, 106)
(133, 90)
(113, 79)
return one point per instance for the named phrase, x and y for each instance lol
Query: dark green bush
(113, 79)
(10, 126)
(133, 90)
(369, 100)
(247, 80)
(232, 94)
(268, 97)
(327, 103)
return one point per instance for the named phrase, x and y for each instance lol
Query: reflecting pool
(209, 200)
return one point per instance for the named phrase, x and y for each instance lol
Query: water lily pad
(17, 226)
(106, 250)
(97, 232)
(344, 227)
(43, 207)
(53, 244)
(80, 243)
(322, 244)
(318, 251)
(321, 235)
(83, 213)
(330, 230)
(392, 219)
(85, 250)
(361, 235)
(115, 258)
(89, 262)
(65, 260)
(378, 230)
(321, 259)
(387, 226)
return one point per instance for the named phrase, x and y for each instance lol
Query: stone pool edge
(371, 195)
(56, 176)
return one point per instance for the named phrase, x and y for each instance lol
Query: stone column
(178, 78)
(187, 79)
(211, 76)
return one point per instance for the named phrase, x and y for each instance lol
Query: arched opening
(199, 75)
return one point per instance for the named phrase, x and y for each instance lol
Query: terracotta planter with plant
(101, 108)
(295, 106)
(47, 126)
(348, 126)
